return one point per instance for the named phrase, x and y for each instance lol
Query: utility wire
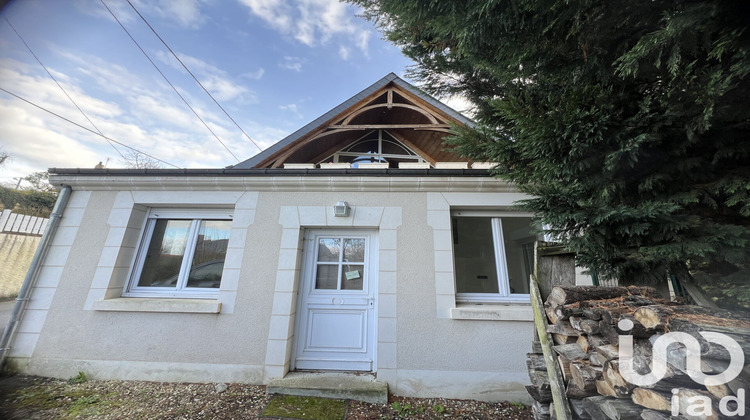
(194, 78)
(86, 128)
(168, 82)
(62, 89)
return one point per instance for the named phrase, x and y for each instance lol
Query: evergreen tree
(627, 121)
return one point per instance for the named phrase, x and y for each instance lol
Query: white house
(356, 244)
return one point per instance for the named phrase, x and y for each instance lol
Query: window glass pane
(329, 249)
(352, 277)
(354, 250)
(394, 148)
(519, 251)
(326, 277)
(161, 267)
(210, 252)
(367, 146)
(474, 255)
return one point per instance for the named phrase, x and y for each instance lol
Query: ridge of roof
(390, 77)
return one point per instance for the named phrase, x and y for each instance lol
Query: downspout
(32, 275)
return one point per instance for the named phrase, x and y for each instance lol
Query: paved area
(6, 306)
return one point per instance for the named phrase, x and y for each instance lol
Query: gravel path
(24, 397)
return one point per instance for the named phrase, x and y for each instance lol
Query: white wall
(427, 345)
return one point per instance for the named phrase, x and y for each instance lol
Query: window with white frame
(181, 254)
(493, 255)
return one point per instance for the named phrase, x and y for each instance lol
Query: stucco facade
(358, 243)
(426, 343)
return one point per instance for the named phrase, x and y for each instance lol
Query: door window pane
(210, 253)
(352, 277)
(326, 277)
(161, 267)
(354, 250)
(329, 249)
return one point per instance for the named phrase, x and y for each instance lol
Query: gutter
(273, 172)
(22, 301)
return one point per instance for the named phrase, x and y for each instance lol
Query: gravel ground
(24, 397)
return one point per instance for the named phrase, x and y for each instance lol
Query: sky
(273, 65)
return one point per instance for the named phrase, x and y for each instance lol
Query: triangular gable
(390, 108)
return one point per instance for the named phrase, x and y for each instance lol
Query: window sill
(202, 306)
(493, 312)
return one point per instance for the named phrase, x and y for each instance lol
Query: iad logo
(693, 367)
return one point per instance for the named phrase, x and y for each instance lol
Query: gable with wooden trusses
(391, 124)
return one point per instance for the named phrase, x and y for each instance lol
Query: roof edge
(390, 77)
(255, 172)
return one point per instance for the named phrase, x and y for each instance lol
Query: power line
(194, 78)
(62, 89)
(167, 80)
(86, 128)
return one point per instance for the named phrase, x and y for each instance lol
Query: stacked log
(585, 323)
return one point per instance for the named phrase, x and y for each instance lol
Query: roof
(359, 103)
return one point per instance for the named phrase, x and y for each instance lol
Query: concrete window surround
(126, 221)
(294, 219)
(439, 207)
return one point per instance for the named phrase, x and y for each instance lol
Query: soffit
(415, 119)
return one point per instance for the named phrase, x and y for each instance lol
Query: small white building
(356, 244)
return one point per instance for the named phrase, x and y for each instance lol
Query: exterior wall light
(341, 209)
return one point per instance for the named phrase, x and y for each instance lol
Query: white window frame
(179, 291)
(501, 266)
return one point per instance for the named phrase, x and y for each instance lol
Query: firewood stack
(583, 322)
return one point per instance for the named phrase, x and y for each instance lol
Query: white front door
(336, 311)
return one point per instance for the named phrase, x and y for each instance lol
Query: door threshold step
(347, 386)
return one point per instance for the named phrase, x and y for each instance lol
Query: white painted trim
(171, 188)
(451, 165)
(196, 218)
(312, 300)
(204, 306)
(294, 219)
(516, 312)
(483, 165)
(128, 218)
(440, 207)
(414, 165)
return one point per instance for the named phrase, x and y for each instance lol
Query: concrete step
(347, 386)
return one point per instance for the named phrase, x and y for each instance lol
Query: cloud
(343, 52)
(292, 63)
(291, 108)
(185, 12)
(255, 75)
(214, 79)
(139, 112)
(312, 22)
(276, 12)
(461, 104)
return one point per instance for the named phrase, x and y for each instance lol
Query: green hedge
(34, 203)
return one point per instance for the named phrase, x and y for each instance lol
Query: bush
(32, 203)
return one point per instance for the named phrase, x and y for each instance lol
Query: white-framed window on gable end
(181, 254)
(493, 255)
